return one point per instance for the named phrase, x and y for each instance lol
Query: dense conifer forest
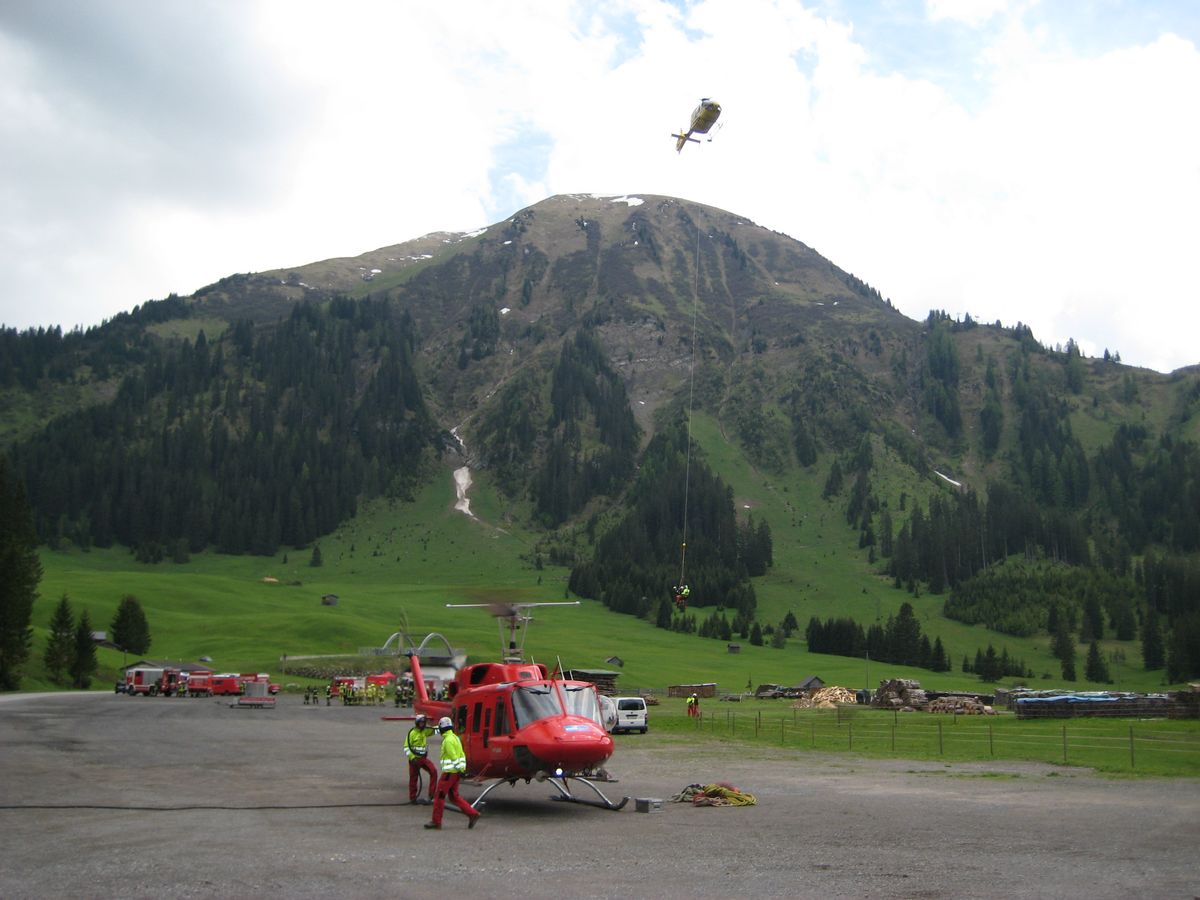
(267, 437)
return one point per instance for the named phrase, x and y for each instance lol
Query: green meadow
(398, 564)
(1118, 747)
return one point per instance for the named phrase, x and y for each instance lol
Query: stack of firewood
(825, 698)
(963, 706)
(900, 693)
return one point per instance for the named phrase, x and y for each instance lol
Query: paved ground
(112, 796)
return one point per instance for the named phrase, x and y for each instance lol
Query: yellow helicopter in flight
(703, 117)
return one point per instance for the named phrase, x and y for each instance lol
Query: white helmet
(420, 720)
(444, 724)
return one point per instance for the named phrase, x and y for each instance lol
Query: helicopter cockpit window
(581, 701)
(537, 701)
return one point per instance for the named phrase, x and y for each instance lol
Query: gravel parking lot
(111, 796)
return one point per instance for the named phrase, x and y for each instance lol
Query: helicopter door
(502, 718)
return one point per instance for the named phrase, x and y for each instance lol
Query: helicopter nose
(580, 746)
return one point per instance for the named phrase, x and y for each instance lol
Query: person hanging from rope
(681, 592)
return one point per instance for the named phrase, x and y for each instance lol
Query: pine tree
(130, 630)
(1063, 649)
(1095, 669)
(83, 659)
(60, 645)
(1091, 626)
(789, 625)
(315, 559)
(756, 637)
(1183, 648)
(1153, 649)
(21, 571)
(939, 662)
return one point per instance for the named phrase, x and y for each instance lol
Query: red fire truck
(143, 680)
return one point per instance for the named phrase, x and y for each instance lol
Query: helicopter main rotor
(517, 622)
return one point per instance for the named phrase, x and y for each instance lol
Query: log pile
(900, 693)
(963, 706)
(825, 698)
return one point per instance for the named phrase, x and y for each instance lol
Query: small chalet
(810, 684)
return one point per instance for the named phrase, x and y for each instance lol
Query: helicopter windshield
(581, 701)
(537, 701)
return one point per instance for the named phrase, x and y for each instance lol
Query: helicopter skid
(564, 793)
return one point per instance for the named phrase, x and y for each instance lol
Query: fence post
(813, 723)
(850, 732)
(991, 742)
(893, 738)
(941, 746)
(782, 731)
(1064, 745)
(1131, 747)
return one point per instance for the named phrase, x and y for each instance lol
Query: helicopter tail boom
(683, 139)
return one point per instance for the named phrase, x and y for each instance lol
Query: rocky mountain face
(661, 283)
(554, 345)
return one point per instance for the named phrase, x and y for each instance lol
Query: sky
(1014, 160)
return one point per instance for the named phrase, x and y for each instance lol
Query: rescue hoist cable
(687, 468)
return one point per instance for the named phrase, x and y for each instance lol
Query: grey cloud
(167, 97)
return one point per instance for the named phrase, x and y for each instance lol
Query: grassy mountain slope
(406, 561)
(786, 362)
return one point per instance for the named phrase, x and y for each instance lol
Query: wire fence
(1155, 746)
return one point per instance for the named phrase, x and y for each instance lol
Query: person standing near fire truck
(416, 748)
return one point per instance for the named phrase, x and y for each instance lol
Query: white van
(631, 715)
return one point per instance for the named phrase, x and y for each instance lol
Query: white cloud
(1025, 176)
(969, 12)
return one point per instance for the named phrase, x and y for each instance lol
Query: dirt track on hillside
(115, 796)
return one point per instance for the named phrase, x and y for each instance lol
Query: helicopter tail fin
(422, 694)
(681, 139)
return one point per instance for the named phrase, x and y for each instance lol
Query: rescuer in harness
(417, 750)
(682, 592)
(454, 766)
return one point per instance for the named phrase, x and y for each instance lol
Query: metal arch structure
(404, 645)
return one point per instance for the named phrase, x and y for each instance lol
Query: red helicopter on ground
(519, 722)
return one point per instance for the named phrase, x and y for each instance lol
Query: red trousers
(448, 787)
(414, 776)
